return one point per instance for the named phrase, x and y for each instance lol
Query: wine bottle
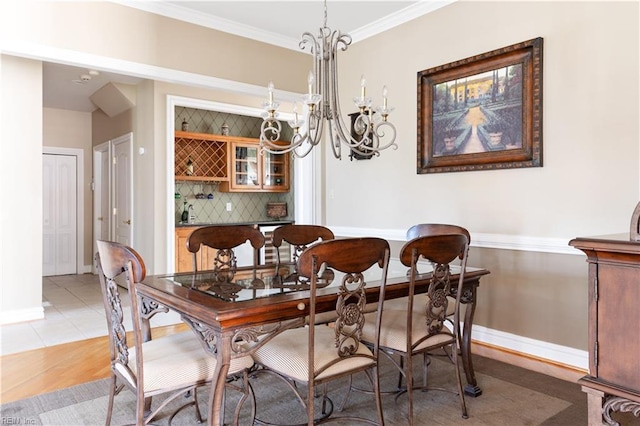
(185, 214)
(189, 170)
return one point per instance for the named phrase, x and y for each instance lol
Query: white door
(123, 193)
(59, 178)
(101, 195)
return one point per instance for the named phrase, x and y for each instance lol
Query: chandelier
(372, 132)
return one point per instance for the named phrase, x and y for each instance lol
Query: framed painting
(482, 112)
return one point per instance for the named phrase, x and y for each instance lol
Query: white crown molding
(398, 18)
(184, 14)
(494, 241)
(175, 11)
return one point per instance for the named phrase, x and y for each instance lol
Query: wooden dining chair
(172, 365)
(225, 240)
(299, 237)
(421, 329)
(422, 229)
(312, 356)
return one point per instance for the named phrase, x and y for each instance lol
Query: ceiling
(69, 87)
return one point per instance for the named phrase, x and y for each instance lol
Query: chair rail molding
(494, 241)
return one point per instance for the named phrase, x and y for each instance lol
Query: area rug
(511, 396)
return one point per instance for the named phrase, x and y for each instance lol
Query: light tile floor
(73, 311)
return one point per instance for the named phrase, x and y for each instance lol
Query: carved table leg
(472, 389)
(218, 346)
(216, 396)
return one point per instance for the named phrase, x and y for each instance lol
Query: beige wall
(105, 128)
(590, 123)
(21, 188)
(110, 30)
(72, 129)
(589, 183)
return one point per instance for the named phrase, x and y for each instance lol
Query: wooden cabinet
(254, 171)
(184, 258)
(235, 162)
(201, 157)
(613, 383)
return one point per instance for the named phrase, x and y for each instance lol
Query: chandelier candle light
(375, 133)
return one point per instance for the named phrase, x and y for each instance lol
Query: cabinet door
(184, 258)
(184, 262)
(618, 321)
(275, 172)
(206, 257)
(246, 171)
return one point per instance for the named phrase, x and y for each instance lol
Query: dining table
(229, 308)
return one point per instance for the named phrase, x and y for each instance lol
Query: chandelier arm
(336, 146)
(374, 132)
(315, 137)
(338, 41)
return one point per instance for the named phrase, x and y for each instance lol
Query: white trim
(99, 151)
(396, 19)
(537, 348)
(495, 241)
(175, 11)
(21, 315)
(42, 52)
(81, 268)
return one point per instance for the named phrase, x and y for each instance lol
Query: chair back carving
(300, 237)
(440, 251)
(351, 257)
(225, 239)
(115, 261)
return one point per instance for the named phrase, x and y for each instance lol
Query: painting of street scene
(478, 113)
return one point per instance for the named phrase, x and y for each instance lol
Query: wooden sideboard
(613, 383)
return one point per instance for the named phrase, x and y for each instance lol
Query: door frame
(79, 154)
(98, 152)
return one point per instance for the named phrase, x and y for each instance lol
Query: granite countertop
(265, 222)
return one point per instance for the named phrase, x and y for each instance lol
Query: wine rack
(209, 156)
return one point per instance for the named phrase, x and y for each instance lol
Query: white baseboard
(558, 354)
(21, 315)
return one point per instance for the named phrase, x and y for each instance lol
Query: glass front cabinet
(254, 171)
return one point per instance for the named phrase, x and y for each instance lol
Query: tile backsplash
(245, 206)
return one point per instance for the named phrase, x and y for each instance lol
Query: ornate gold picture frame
(483, 112)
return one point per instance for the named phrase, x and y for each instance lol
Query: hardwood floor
(39, 371)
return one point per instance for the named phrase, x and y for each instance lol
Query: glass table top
(250, 283)
(247, 284)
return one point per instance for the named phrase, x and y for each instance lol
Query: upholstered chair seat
(393, 331)
(288, 353)
(175, 361)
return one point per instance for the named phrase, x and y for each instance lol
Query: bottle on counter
(185, 214)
